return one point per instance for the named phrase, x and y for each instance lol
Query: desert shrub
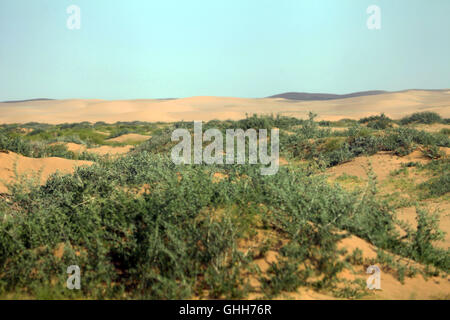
(15, 144)
(445, 131)
(427, 138)
(373, 118)
(399, 141)
(160, 143)
(355, 289)
(437, 166)
(84, 134)
(422, 117)
(372, 221)
(331, 149)
(256, 122)
(356, 257)
(184, 125)
(293, 145)
(332, 144)
(100, 124)
(359, 141)
(345, 123)
(421, 241)
(140, 226)
(80, 125)
(36, 125)
(42, 133)
(215, 124)
(362, 141)
(284, 276)
(433, 152)
(438, 186)
(309, 128)
(284, 122)
(55, 150)
(325, 123)
(339, 156)
(336, 153)
(70, 138)
(157, 245)
(380, 122)
(40, 149)
(152, 242)
(119, 133)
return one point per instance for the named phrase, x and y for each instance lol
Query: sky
(243, 48)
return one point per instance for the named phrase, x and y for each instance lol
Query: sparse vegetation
(422, 117)
(141, 227)
(380, 122)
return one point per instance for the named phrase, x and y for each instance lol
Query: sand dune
(395, 105)
(392, 289)
(31, 166)
(108, 150)
(382, 164)
(101, 150)
(130, 137)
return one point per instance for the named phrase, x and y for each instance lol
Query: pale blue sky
(245, 48)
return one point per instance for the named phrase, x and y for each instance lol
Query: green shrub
(324, 123)
(284, 276)
(160, 244)
(157, 144)
(433, 152)
(399, 141)
(445, 131)
(427, 232)
(380, 122)
(15, 144)
(422, 117)
(438, 186)
(140, 226)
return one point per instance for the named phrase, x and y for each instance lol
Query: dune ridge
(393, 104)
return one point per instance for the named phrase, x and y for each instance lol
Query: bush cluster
(141, 227)
(422, 117)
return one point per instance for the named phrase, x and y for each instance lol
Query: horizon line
(274, 96)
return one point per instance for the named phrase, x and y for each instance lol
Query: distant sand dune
(395, 105)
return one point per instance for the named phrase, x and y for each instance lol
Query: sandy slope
(394, 105)
(31, 166)
(391, 288)
(130, 137)
(102, 150)
(382, 164)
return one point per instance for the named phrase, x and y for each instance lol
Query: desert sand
(382, 165)
(11, 162)
(394, 105)
(108, 150)
(130, 137)
(101, 150)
